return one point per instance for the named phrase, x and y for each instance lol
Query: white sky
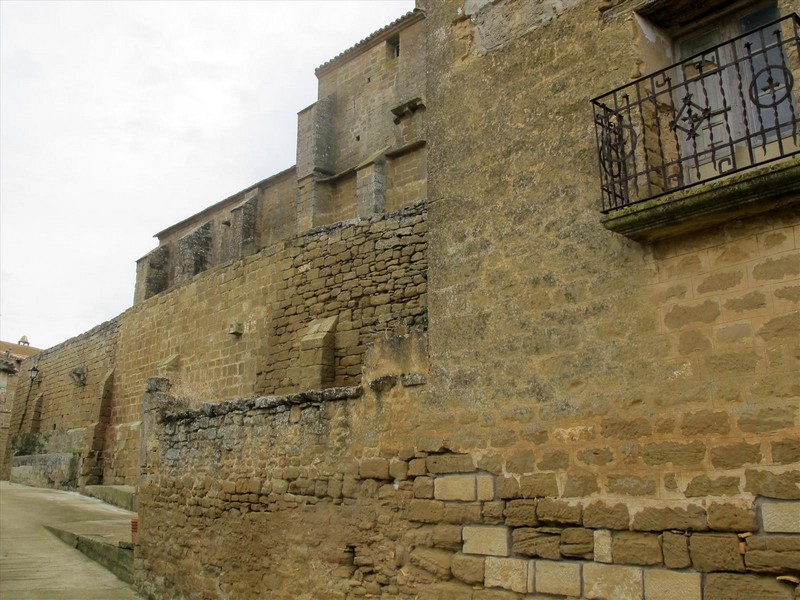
(118, 119)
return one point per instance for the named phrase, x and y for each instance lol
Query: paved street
(34, 564)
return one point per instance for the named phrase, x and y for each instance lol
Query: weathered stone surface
(631, 485)
(773, 554)
(660, 584)
(602, 546)
(735, 455)
(703, 485)
(728, 586)
(785, 486)
(507, 488)
(468, 568)
(426, 511)
(602, 515)
(520, 513)
(675, 549)
(542, 542)
(577, 542)
(423, 487)
(731, 517)
(715, 552)
(493, 513)
(682, 315)
(446, 536)
(596, 456)
(705, 422)
(549, 510)
(434, 561)
(377, 468)
(538, 485)
(462, 513)
(786, 452)
(634, 548)
(768, 419)
(485, 487)
(455, 487)
(558, 578)
(604, 582)
(521, 461)
(486, 540)
(553, 460)
(690, 518)
(677, 453)
(626, 429)
(450, 463)
(781, 517)
(508, 573)
(580, 486)
(449, 590)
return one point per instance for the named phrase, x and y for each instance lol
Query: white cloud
(118, 119)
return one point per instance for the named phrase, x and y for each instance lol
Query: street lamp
(33, 372)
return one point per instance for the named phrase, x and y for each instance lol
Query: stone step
(123, 496)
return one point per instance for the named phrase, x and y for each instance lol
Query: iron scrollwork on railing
(728, 108)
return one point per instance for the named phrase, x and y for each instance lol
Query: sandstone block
(602, 546)
(521, 461)
(602, 515)
(455, 487)
(675, 548)
(508, 573)
(486, 540)
(705, 422)
(612, 582)
(692, 518)
(493, 512)
(553, 460)
(635, 548)
(374, 468)
(538, 485)
(631, 485)
(596, 456)
(685, 314)
(577, 542)
(677, 453)
(560, 578)
(786, 452)
(450, 463)
(460, 512)
(549, 510)
(703, 485)
(735, 455)
(661, 584)
(626, 429)
(521, 512)
(543, 542)
(729, 586)
(417, 467)
(398, 470)
(773, 554)
(467, 568)
(447, 537)
(423, 487)
(768, 419)
(785, 486)
(449, 590)
(434, 561)
(715, 552)
(781, 517)
(485, 487)
(426, 511)
(507, 488)
(731, 517)
(580, 486)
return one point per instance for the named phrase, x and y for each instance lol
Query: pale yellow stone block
(455, 487)
(558, 577)
(662, 584)
(486, 540)
(508, 573)
(612, 582)
(602, 546)
(781, 517)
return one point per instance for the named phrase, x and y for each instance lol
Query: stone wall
(64, 411)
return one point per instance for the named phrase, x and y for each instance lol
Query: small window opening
(393, 46)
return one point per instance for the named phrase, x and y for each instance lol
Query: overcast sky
(119, 119)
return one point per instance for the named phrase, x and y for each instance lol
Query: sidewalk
(35, 564)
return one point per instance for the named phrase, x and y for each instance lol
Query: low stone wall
(54, 470)
(280, 496)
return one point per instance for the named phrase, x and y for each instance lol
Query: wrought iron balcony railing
(728, 108)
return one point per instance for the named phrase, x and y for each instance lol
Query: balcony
(726, 113)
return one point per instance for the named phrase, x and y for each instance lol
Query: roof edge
(381, 34)
(217, 205)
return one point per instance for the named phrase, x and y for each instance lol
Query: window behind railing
(723, 109)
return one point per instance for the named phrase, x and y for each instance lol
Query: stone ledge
(743, 194)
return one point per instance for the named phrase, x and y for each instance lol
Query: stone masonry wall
(363, 491)
(62, 413)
